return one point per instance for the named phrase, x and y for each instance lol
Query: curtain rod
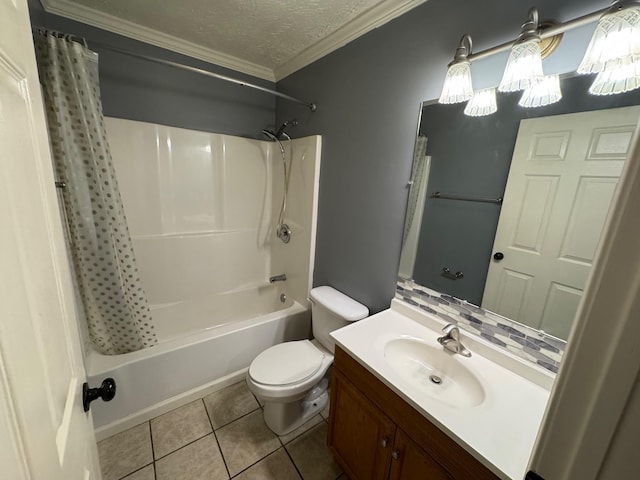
(310, 106)
(42, 30)
(545, 33)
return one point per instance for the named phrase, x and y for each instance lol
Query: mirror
(557, 168)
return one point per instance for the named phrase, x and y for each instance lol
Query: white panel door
(562, 179)
(44, 432)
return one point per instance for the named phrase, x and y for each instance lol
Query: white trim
(601, 363)
(12, 448)
(373, 18)
(165, 406)
(96, 18)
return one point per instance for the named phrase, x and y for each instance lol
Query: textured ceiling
(264, 32)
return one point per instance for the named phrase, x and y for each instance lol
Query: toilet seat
(287, 363)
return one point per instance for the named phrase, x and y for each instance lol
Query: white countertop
(501, 431)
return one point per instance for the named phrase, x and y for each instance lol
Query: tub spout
(278, 278)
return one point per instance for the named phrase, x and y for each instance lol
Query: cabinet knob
(395, 455)
(384, 442)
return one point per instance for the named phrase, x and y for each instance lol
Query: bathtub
(212, 348)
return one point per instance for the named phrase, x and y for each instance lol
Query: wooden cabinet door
(360, 435)
(413, 463)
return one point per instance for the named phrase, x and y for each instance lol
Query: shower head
(281, 131)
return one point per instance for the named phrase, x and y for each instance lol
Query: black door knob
(106, 392)
(498, 256)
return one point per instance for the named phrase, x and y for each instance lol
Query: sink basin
(434, 371)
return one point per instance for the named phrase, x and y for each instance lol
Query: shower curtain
(114, 301)
(417, 176)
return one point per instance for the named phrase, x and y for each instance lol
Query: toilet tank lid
(338, 303)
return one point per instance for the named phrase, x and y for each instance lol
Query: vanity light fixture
(457, 86)
(524, 66)
(542, 93)
(613, 53)
(483, 102)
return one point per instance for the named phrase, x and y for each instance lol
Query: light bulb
(615, 42)
(524, 67)
(482, 103)
(457, 84)
(543, 93)
(617, 80)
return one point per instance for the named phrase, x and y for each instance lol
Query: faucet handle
(452, 331)
(447, 328)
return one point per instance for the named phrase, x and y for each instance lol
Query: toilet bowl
(292, 378)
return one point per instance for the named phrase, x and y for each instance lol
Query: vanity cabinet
(374, 434)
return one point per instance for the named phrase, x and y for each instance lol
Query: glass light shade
(617, 80)
(543, 93)
(615, 42)
(482, 103)
(524, 67)
(457, 84)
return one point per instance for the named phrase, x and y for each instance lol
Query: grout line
(294, 463)
(183, 446)
(136, 470)
(256, 462)
(186, 444)
(224, 460)
(213, 431)
(229, 423)
(153, 452)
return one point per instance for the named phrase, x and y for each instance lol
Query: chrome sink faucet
(451, 340)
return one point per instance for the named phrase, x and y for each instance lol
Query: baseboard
(167, 405)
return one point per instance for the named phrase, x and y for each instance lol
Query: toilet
(291, 378)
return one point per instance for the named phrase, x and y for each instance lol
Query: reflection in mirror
(557, 167)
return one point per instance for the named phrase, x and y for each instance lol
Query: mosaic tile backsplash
(523, 341)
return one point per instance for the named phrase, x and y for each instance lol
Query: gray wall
(139, 90)
(369, 94)
(472, 156)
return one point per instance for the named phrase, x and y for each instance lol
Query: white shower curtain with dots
(114, 301)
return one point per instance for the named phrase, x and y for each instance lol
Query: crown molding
(371, 19)
(96, 18)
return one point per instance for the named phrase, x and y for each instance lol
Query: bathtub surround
(202, 210)
(527, 343)
(113, 298)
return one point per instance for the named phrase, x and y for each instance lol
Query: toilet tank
(331, 310)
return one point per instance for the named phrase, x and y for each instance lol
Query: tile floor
(220, 436)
